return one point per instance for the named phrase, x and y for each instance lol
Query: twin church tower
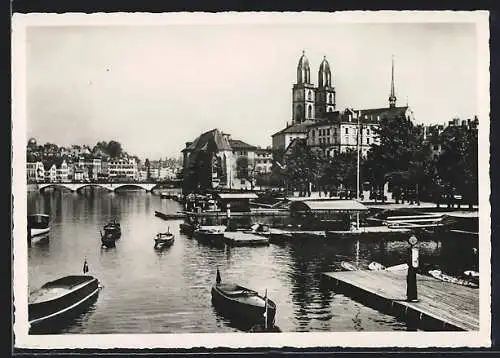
(310, 102)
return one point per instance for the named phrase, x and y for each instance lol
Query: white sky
(154, 88)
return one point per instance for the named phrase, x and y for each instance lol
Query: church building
(316, 119)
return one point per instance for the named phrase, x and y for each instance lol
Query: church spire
(303, 70)
(392, 97)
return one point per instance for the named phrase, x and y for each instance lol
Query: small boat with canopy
(164, 239)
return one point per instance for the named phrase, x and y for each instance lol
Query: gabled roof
(264, 150)
(387, 112)
(237, 195)
(370, 115)
(213, 139)
(238, 144)
(296, 128)
(327, 205)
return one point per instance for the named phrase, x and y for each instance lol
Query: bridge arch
(146, 187)
(76, 187)
(57, 186)
(81, 186)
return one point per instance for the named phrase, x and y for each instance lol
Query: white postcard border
(241, 340)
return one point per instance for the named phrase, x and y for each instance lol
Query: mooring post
(29, 234)
(228, 215)
(411, 278)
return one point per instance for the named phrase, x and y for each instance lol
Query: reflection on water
(168, 291)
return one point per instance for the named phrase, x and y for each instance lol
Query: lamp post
(411, 278)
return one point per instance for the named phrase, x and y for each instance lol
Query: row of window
(326, 131)
(329, 96)
(326, 140)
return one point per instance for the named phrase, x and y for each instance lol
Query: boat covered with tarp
(58, 299)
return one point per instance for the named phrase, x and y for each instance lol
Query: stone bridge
(108, 186)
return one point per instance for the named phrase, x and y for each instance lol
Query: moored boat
(243, 303)
(108, 239)
(471, 273)
(189, 225)
(38, 226)
(348, 266)
(211, 234)
(187, 228)
(438, 274)
(58, 299)
(375, 266)
(113, 228)
(164, 239)
(400, 267)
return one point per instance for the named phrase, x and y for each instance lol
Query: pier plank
(449, 303)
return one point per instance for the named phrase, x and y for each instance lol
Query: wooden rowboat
(438, 274)
(113, 228)
(57, 300)
(375, 266)
(400, 267)
(108, 240)
(243, 303)
(38, 227)
(348, 266)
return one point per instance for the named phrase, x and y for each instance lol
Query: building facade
(263, 160)
(351, 130)
(215, 160)
(122, 169)
(35, 172)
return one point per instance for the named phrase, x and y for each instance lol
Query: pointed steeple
(392, 96)
(324, 74)
(303, 70)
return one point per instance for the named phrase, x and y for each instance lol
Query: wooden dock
(441, 306)
(240, 238)
(278, 235)
(253, 212)
(368, 231)
(174, 216)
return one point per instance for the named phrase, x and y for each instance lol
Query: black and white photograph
(251, 180)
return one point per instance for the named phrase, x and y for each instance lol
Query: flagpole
(357, 171)
(265, 313)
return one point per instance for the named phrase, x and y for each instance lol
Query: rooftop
(211, 140)
(327, 205)
(296, 128)
(238, 144)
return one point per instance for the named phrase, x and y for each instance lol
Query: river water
(150, 291)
